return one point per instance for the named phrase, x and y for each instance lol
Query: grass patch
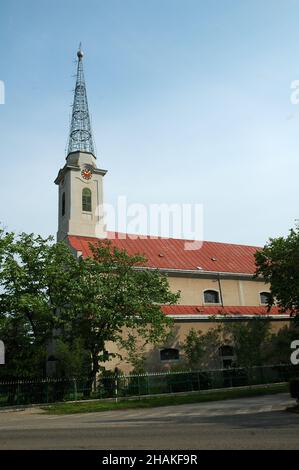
(97, 406)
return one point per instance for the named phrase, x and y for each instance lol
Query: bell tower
(80, 181)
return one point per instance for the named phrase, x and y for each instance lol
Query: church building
(216, 281)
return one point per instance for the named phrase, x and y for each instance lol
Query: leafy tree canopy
(278, 264)
(84, 303)
(115, 299)
(35, 279)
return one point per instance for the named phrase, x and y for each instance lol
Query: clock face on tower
(86, 173)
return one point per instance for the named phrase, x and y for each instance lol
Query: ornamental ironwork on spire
(80, 137)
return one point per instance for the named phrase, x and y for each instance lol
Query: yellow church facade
(224, 289)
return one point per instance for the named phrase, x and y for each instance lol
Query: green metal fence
(174, 382)
(51, 390)
(23, 392)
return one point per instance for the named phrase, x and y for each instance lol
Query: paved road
(252, 423)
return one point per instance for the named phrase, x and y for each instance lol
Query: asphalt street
(247, 423)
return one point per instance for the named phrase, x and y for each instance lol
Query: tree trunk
(94, 370)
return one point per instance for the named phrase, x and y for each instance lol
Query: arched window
(169, 354)
(265, 297)
(63, 205)
(226, 351)
(86, 200)
(228, 357)
(211, 297)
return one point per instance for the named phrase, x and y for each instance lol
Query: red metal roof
(190, 310)
(170, 253)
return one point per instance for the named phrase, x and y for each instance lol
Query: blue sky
(190, 103)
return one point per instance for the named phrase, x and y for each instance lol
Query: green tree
(201, 349)
(73, 360)
(250, 340)
(35, 282)
(22, 356)
(46, 293)
(279, 347)
(278, 264)
(6, 239)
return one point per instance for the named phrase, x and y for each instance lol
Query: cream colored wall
(85, 223)
(234, 292)
(75, 221)
(180, 331)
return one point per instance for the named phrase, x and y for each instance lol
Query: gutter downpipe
(220, 289)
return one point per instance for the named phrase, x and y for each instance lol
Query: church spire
(80, 137)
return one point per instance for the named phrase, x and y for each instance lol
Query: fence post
(116, 384)
(75, 389)
(17, 390)
(191, 381)
(169, 382)
(211, 380)
(47, 391)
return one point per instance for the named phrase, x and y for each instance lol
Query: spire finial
(80, 138)
(80, 52)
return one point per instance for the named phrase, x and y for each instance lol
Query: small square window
(265, 298)
(211, 297)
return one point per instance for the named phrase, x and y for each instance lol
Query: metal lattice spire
(80, 137)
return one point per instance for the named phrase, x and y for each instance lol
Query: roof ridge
(157, 237)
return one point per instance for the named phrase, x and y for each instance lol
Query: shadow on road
(261, 420)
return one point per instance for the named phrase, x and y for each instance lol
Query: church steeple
(80, 137)
(80, 181)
